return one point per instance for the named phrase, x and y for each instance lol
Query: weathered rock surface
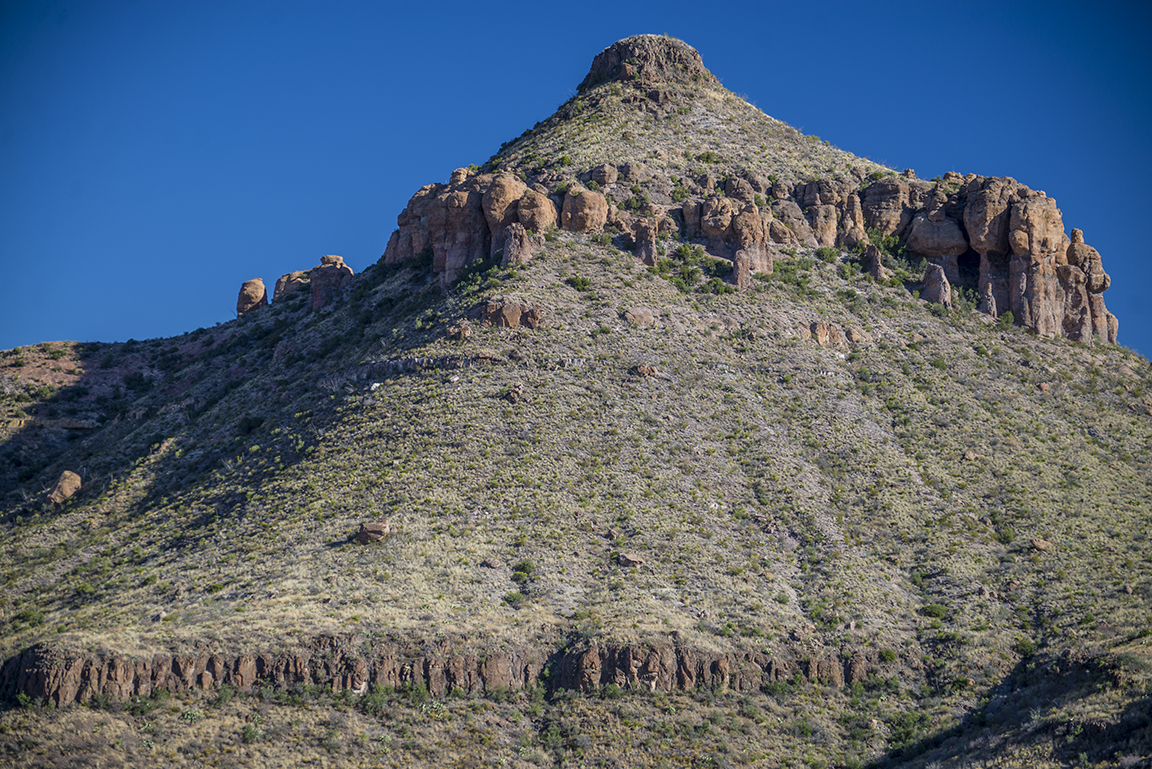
(936, 288)
(289, 284)
(537, 212)
(328, 279)
(501, 207)
(511, 312)
(651, 59)
(517, 247)
(63, 678)
(66, 485)
(584, 211)
(874, 266)
(252, 296)
(990, 234)
(373, 531)
(640, 316)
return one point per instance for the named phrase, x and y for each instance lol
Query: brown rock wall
(62, 679)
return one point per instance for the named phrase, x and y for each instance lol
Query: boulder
(634, 172)
(373, 531)
(857, 336)
(739, 189)
(515, 393)
(510, 312)
(252, 296)
(640, 316)
(536, 211)
(66, 485)
(501, 204)
(825, 334)
(605, 173)
(644, 231)
(852, 223)
(936, 288)
(584, 211)
(289, 284)
(328, 280)
(716, 216)
(629, 560)
(458, 229)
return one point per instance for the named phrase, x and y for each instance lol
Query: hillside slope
(663, 483)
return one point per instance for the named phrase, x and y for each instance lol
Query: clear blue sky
(154, 155)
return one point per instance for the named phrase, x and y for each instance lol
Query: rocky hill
(666, 436)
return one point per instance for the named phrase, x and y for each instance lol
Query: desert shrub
(1025, 647)
(580, 283)
(827, 254)
(935, 611)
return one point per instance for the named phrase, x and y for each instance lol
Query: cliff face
(48, 675)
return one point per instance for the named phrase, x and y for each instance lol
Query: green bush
(827, 254)
(580, 283)
(1025, 647)
(935, 611)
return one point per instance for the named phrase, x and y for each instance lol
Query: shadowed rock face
(652, 59)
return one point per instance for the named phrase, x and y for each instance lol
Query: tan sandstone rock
(936, 289)
(537, 212)
(584, 211)
(66, 485)
(328, 279)
(252, 296)
(289, 284)
(373, 531)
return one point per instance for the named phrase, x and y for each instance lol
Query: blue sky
(154, 155)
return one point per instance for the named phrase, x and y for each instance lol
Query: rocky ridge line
(1002, 238)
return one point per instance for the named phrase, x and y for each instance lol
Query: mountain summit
(654, 147)
(668, 435)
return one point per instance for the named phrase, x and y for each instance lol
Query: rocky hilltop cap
(651, 59)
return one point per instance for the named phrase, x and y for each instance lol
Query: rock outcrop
(252, 296)
(991, 236)
(289, 284)
(66, 485)
(648, 59)
(328, 279)
(49, 676)
(936, 288)
(583, 211)
(511, 312)
(467, 221)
